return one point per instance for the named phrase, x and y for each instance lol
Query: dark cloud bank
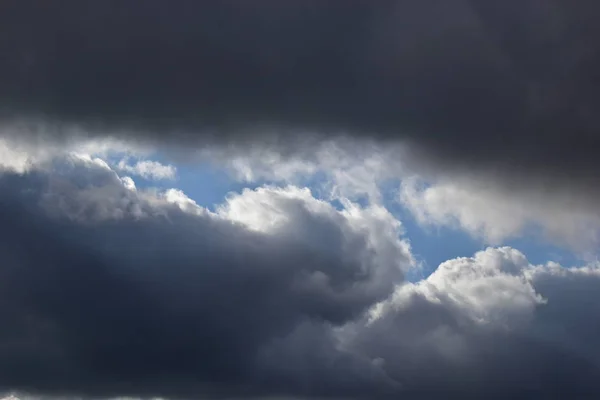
(510, 85)
(154, 301)
(110, 292)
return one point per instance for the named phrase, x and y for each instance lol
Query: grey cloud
(505, 86)
(267, 296)
(475, 330)
(162, 300)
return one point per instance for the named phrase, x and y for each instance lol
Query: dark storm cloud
(170, 304)
(510, 84)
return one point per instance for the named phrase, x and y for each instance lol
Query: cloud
(109, 290)
(496, 213)
(493, 211)
(490, 326)
(337, 168)
(504, 87)
(149, 169)
(21, 153)
(112, 291)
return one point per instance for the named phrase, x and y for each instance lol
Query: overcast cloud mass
(346, 126)
(509, 85)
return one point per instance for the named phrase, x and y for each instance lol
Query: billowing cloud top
(107, 286)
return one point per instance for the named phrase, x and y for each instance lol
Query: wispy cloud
(148, 169)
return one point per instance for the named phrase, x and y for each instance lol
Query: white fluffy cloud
(490, 288)
(370, 235)
(148, 169)
(497, 214)
(350, 169)
(19, 155)
(493, 211)
(493, 319)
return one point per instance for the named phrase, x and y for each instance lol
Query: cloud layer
(507, 87)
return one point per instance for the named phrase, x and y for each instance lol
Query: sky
(299, 200)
